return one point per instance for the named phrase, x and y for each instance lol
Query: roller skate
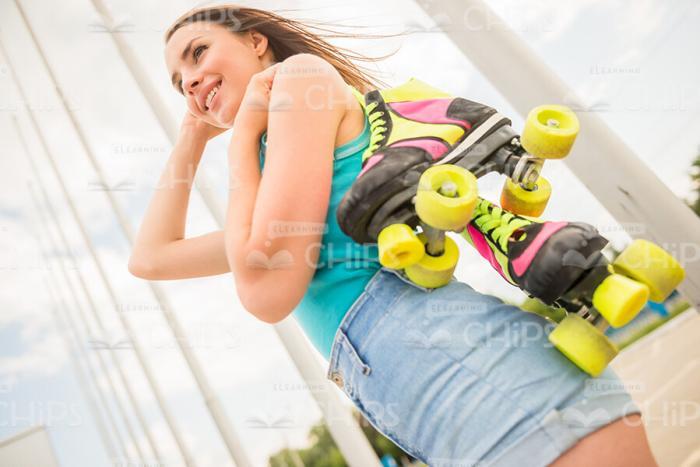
(419, 171)
(570, 265)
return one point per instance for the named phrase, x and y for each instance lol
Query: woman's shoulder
(353, 119)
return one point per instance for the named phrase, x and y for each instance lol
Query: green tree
(695, 177)
(323, 451)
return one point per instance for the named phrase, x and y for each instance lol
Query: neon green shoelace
(498, 224)
(377, 127)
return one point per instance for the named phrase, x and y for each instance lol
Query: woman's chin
(224, 119)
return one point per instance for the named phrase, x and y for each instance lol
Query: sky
(635, 63)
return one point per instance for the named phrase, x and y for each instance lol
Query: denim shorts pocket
(355, 357)
(346, 366)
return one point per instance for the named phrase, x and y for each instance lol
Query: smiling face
(212, 66)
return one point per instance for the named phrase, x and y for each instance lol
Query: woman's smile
(212, 98)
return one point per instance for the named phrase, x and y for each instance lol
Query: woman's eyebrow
(183, 56)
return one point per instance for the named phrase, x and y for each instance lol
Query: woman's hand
(192, 126)
(253, 111)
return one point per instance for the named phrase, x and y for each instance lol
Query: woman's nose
(191, 84)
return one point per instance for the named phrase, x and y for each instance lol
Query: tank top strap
(361, 140)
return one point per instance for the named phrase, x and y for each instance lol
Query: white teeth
(211, 95)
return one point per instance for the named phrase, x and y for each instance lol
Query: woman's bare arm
(283, 206)
(160, 250)
(275, 223)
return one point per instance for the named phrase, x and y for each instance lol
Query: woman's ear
(259, 42)
(261, 47)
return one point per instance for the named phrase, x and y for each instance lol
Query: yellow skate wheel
(619, 299)
(550, 131)
(446, 197)
(399, 246)
(518, 200)
(583, 344)
(650, 264)
(434, 271)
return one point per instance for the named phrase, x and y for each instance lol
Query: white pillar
(216, 409)
(101, 272)
(82, 318)
(64, 245)
(72, 351)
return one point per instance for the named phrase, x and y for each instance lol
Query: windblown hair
(287, 37)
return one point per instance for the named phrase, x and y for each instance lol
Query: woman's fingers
(200, 127)
(259, 88)
(268, 74)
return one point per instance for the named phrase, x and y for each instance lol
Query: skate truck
(419, 180)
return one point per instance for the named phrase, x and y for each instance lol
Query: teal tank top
(344, 266)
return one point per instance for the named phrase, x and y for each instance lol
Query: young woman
(452, 376)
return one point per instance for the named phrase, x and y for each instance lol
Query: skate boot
(413, 127)
(568, 265)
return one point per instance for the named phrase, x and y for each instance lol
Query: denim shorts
(458, 378)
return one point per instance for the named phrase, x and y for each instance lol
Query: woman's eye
(197, 52)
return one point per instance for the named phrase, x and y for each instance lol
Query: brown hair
(287, 37)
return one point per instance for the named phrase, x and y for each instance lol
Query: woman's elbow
(264, 306)
(269, 313)
(142, 268)
(270, 318)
